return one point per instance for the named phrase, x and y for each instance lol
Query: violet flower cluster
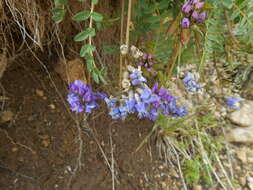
(191, 83)
(143, 101)
(81, 97)
(137, 99)
(193, 13)
(147, 62)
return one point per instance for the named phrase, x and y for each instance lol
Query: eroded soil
(39, 145)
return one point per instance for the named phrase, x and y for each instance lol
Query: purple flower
(155, 87)
(202, 17)
(181, 111)
(75, 103)
(81, 97)
(153, 114)
(232, 101)
(90, 106)
(199, 5)
(195, 15)
(187, 7)
(185, 23)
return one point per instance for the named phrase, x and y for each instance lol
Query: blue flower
(136, 77)
(181, 111)
(123, 111)
(232, 101)
(141, 109)
(90, 106)
(115, 113)
(130, 104)
(191, 83)
(153, 114)
(148, 97)
(111, 102)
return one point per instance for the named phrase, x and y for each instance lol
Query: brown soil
(40, 147)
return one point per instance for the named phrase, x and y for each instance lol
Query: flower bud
(202, 17)
(187, 7)
(123, 49)
(195, 15)
(199, 5)
(185, 23)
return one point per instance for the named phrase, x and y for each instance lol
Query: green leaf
(95, 77)
(58, 14)
(60, 2)
(94, 1)
(86, 49)
(89, 61)
(102, 79)
(89, 32)
(228, 3)
(84, 15)
(96, 16)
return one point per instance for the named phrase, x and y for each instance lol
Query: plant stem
(121, 40)
(128, 21)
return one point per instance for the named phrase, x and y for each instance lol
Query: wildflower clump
(140, 99)
(193, 13)
(81, 97)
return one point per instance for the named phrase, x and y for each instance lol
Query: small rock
(173, 173)
(14, 149)
(242, 181)
(250, 157)
(242, 155)
(241, 135)
(52, 106)
(197, 187)
(243, 116)
(39, 92)
(6, 116)
(250, 182)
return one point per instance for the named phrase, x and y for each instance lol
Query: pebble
(39, 92)
(240, 135)
(250, 182)
(242, 154)
(242, 181)
(52, 106)
(244, 116)
(197, 187)
(6, 116)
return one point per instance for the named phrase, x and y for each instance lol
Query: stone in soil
(244, 116)
(241, 135)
